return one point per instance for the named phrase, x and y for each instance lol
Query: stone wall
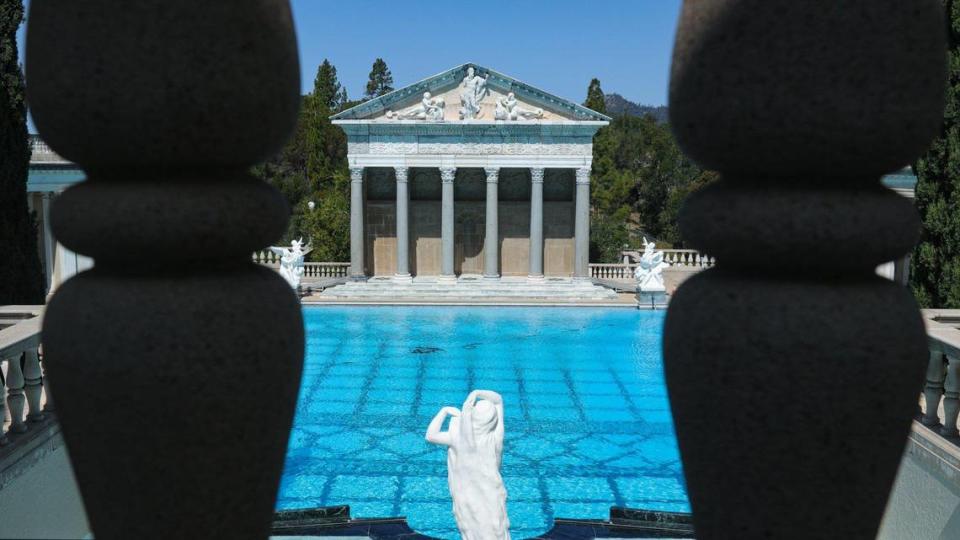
(469, 233)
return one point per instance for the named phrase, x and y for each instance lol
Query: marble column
(403, 225)
(357, 271)
(446, 225)
(536, 223)
(581, 257)
(491, 240)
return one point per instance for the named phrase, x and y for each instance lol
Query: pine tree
(935, 268)
(595, 99)
(327, 88)
(381, 80)
(21, 278)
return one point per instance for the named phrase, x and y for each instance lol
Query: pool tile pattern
(587, 418)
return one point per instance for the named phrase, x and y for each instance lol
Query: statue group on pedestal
(291, 261)
(474, 441)
(649, 272)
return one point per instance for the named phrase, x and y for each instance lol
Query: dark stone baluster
(792, 368)
(176, 360)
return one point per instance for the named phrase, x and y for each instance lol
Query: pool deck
(623, 300)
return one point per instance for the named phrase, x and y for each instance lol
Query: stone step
(472, 289)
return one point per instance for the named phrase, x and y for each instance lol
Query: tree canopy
(935, 268)
(381, 80)
(638, 183)
(21, 276)
(595, 98)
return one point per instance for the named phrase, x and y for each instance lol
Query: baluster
(32, 385)
(196, 459)
(48, 397)
(951, 396)
(800, 164)
(15, 398)
(3, 406)
(933, 389)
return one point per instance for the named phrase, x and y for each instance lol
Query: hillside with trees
(21, 277)
(935, 266)
(639, 176)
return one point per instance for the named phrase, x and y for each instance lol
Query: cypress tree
(595, 99)
(381, 80)
(21, 278)
(935, 268)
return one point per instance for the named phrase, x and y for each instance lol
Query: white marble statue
(291, 261)
(429, 108)
(474, 442)
(508, 108)
(473, 90)
(649, 272)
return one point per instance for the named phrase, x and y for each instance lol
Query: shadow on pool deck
(335, 521)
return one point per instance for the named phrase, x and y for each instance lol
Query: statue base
(651, 298)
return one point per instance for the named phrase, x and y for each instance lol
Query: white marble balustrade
(941, 392)
(24, 398)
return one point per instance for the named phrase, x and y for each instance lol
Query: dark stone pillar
(793, 370)
(175, 362)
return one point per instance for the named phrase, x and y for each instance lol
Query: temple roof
(445, 84)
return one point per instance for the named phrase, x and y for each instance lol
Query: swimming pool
(587, 419)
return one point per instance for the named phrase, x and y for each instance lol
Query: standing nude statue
(474, 442)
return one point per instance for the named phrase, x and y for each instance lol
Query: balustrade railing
(23, 396)
(41, 152)
(682, 258)
(310, 269)
(941, 392)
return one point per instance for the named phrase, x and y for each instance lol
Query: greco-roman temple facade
(469, 173)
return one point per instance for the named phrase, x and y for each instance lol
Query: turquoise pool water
(587, 420)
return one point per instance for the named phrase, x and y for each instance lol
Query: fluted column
(491, 238)
(581, 226)
(446, 224)
(800, 107)
(357, 248)
(403, 225)
(536, 223)
(175, 360)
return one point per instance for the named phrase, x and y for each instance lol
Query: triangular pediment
(499, 98)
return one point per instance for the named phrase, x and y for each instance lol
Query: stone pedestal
(651, 298)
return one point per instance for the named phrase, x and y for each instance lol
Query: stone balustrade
(40, 152)
(941, 391)
(24, 398)
(310, 269)
(682, 258)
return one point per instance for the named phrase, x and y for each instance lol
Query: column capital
(447, 174)
(493, 174)
(401, 173)
(356, 174)
(583, 175)
(46, 195)
(536, 175)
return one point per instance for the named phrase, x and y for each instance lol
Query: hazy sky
(557, 45)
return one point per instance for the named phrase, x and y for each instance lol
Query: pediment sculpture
(473, 90)
(429, 108)
(508, 108)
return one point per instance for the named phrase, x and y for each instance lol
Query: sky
(556, 45)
